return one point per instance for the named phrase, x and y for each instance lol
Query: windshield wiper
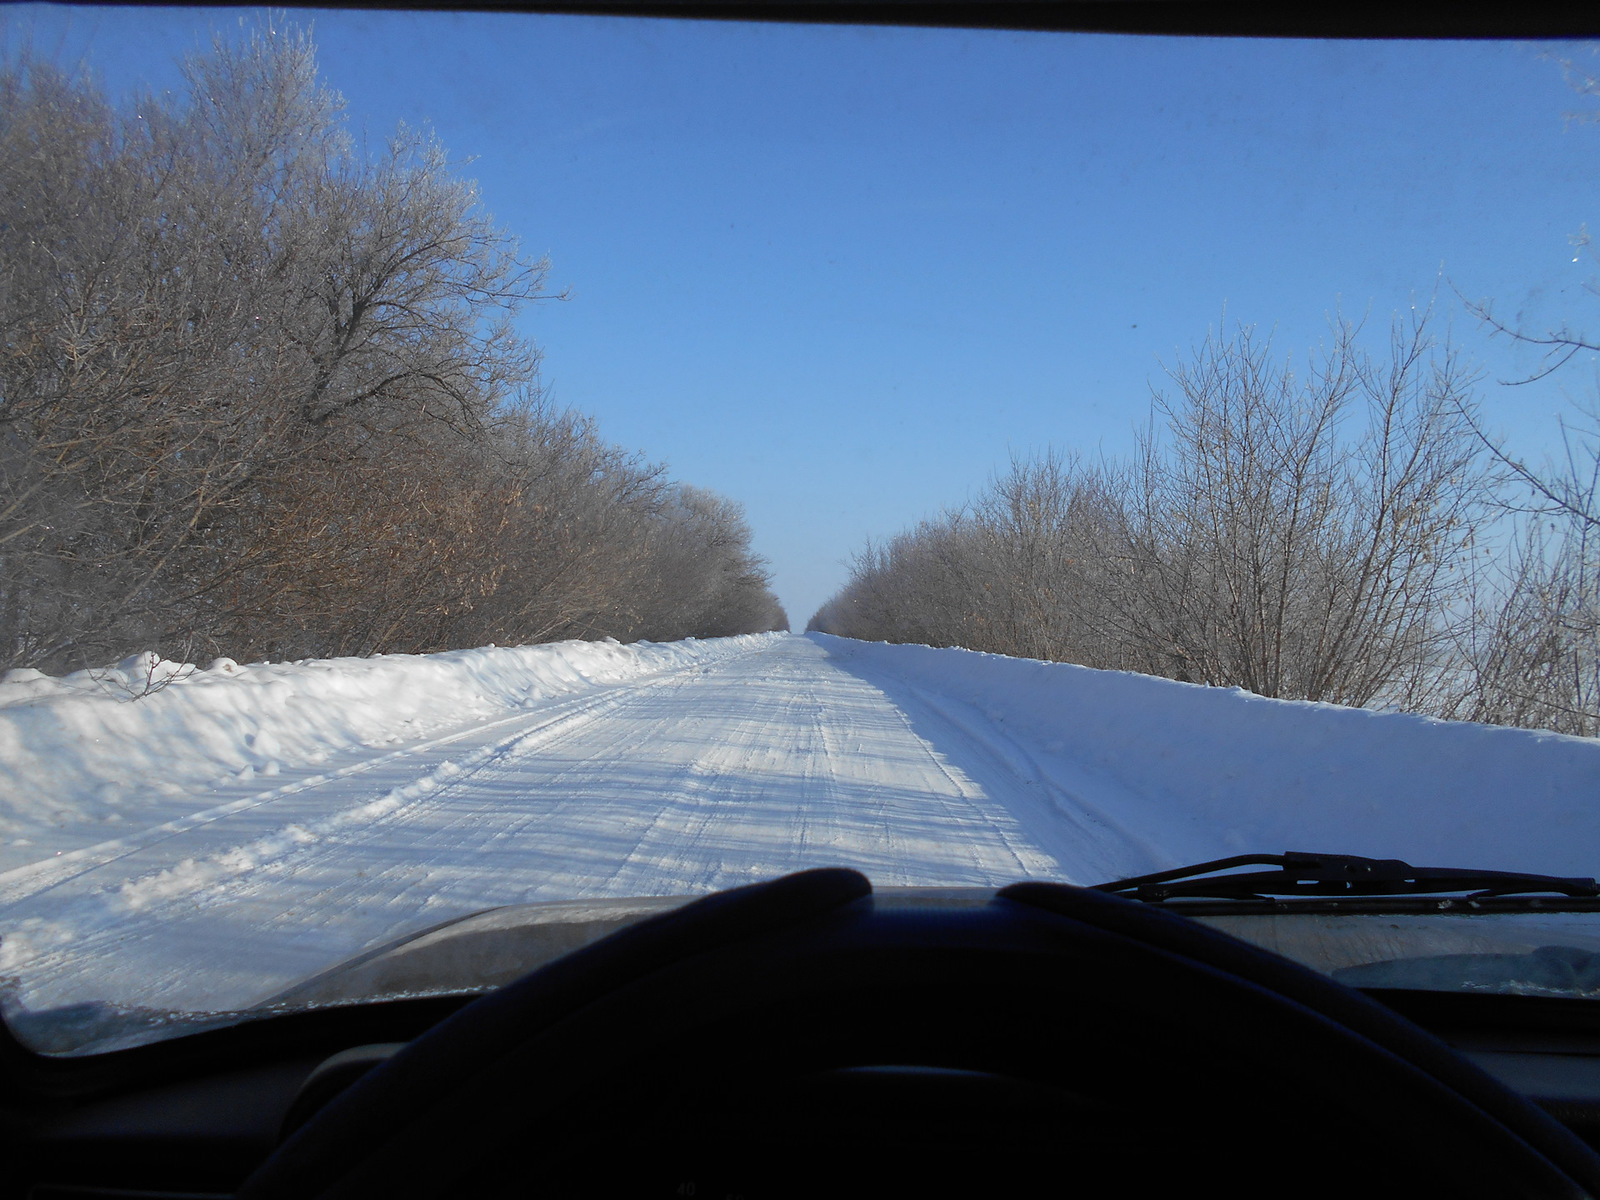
(1301, 874)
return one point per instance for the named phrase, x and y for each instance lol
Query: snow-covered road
(760, 762)
(450, 783)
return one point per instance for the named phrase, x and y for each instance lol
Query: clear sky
(840, 274)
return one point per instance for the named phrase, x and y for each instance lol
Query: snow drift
(1193, 772)
(84, 753)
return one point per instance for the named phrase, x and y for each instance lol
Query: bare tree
(1256, 540)
(1533, 655)
(261, 392)
(1276, 553)
(1534, 652)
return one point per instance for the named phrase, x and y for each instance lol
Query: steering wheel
(793, 1037)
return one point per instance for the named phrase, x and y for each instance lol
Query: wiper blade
(1301, 874)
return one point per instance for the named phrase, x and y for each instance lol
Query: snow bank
(135, 742)
(1196, 772)
(1170, 772)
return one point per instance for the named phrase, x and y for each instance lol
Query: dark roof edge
(1531, 20)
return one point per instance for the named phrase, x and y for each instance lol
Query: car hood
(1551, 953)
(1541, 952)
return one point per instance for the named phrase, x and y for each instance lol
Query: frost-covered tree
(261, 391)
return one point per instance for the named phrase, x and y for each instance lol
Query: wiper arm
(1301, 874)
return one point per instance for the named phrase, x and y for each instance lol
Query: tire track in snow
(891, 826)
(108, 918)
(716, 774)
(1065, 816)
(28, 880)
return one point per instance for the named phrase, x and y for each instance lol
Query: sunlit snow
(240, 828)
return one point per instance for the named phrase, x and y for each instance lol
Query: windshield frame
(261, 1038)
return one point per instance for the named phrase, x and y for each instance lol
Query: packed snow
(199, 840)
(84, 754)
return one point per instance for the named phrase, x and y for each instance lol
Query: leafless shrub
(1532, 658)
(1275, 552)
(1532, 655)
(1255, 540)
(1019, 571)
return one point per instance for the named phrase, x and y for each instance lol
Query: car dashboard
(196, 1115)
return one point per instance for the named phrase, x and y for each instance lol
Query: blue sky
(842, 274)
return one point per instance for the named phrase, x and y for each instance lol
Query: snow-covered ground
(213, 841)
(86, 756)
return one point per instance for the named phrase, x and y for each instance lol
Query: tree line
(261, 394)
(1348, 534)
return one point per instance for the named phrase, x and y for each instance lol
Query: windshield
(459, 462)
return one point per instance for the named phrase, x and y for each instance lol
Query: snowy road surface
(695, 779)
(719, 764)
